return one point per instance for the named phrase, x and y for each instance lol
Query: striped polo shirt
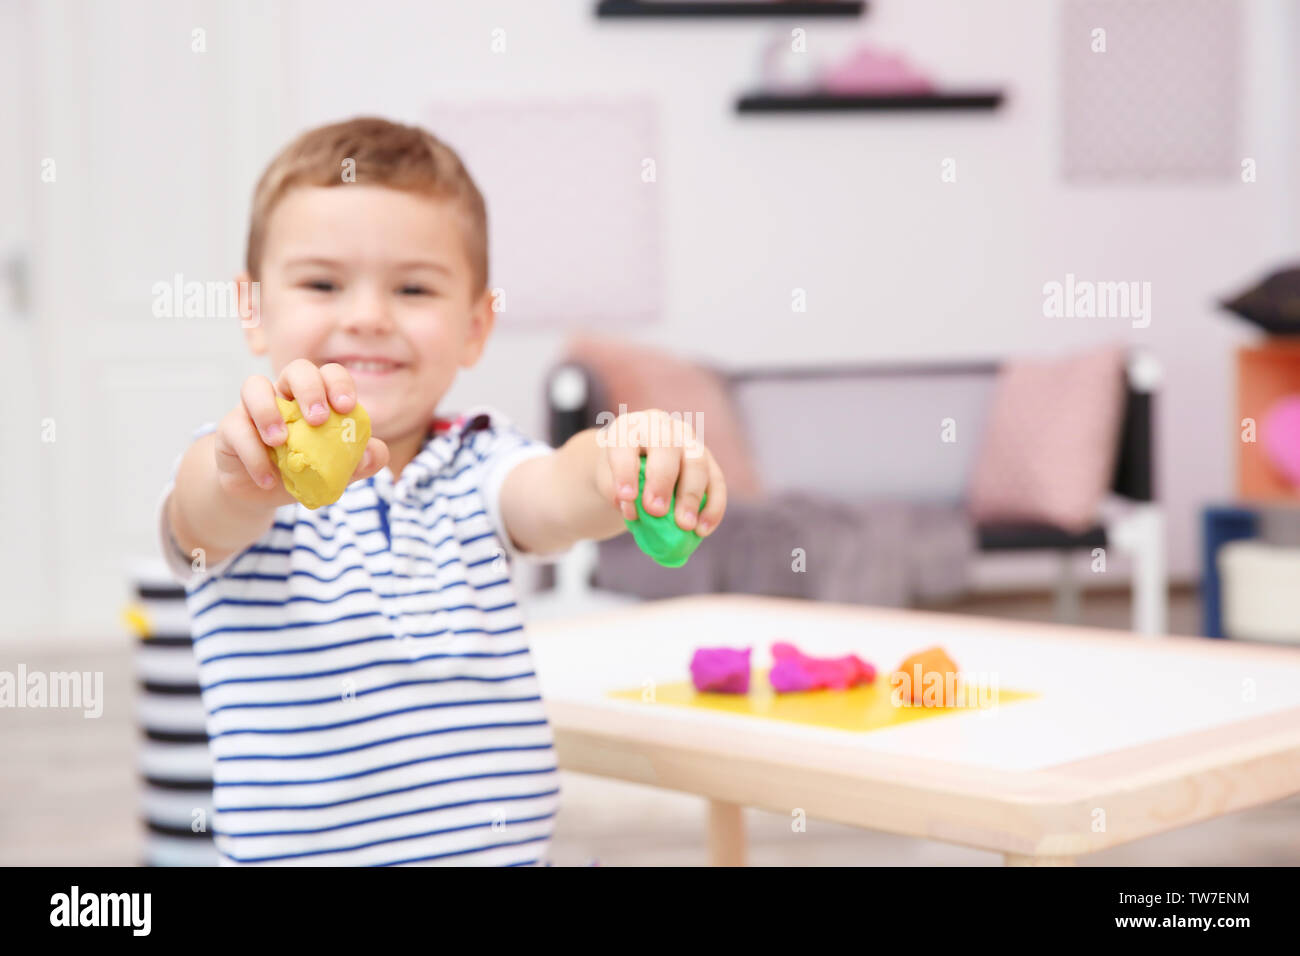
(369, 690)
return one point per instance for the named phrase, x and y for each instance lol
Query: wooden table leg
(726, 833)
(1017, 859)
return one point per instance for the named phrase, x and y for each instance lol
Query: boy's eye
(414, 290)
(320, 285)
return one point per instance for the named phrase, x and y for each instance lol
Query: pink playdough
(721, 670)
(795, 671)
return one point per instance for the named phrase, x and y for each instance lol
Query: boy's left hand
(676, 462)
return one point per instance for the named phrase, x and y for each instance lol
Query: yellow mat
(865, 707)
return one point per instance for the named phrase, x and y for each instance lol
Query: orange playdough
(932, 660)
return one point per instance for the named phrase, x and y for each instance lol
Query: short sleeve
(500, 447)
(178, 562)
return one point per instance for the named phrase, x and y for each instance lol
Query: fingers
(625, 468)
(676, 464)
(247, 432)
(302, 381)
(242, 438)
(339, 387)
(692, 483)
(373, 461)
(711, 516)
(258, 396)
(662, 464)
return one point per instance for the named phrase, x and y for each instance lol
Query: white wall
(159, 149)
(896, 264)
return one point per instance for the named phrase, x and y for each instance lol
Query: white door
(157, 117)
(23, 456)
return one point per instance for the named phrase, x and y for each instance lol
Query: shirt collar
(443, 442)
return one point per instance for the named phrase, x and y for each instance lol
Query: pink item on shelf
(868, 71)
(721, 670)
(1280, 436)
(796, 671)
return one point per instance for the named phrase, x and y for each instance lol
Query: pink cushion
(1280, 436)
(1048, 451)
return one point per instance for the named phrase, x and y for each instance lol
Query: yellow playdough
(317, 461)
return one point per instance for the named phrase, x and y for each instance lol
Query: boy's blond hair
(382, 153)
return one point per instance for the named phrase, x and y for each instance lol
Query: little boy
(369, 691)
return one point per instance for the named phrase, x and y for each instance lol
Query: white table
(1128, 738)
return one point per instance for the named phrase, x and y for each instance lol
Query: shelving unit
(835, 103)
(716, 10)
(762, 102)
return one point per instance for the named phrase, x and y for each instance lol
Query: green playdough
(660, 537)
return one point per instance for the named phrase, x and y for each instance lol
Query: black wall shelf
(754, 8)
(836, 103)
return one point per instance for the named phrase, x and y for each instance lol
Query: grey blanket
(875, 552)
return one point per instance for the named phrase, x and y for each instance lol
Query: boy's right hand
(244, 469)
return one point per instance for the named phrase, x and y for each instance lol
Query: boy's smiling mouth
(368, 365)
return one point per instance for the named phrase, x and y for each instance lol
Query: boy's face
(378, 281)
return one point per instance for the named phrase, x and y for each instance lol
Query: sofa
(862, 430)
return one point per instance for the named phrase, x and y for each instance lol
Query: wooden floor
(69, 794)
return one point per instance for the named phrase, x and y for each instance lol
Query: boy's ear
(250, 313)
(482, 318)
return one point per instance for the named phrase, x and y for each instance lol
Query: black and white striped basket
(175, 761)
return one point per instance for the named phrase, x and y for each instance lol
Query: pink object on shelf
(721, 670)
(868, 71)
(1280, 435)
(796, 671)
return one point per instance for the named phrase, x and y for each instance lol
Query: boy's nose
(368, 311)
